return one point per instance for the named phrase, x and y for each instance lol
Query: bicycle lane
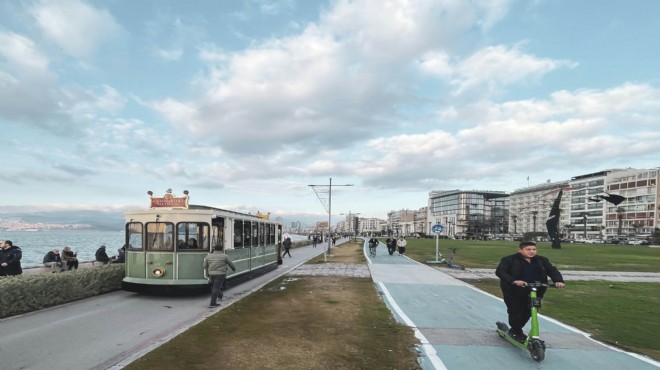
(455, 324)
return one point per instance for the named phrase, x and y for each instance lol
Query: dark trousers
(517, 306)
(72, 264)
(216, 286)
(390, 249)
(286, 251)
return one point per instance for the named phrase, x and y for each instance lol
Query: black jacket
(12, 256)
(101, 255)
(511, 269)
(52, 257)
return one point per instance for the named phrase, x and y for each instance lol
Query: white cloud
(76, 27)
(22, 54)
(497, 66)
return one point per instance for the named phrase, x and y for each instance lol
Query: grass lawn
(588, 257)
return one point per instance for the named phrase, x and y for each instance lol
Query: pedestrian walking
(401, 244)
(515, 271)
(10, 259)
(215, 265)
(391, 245)
(287, 246)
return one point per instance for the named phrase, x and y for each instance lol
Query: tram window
(192, 235)
(255, 234)
(262, 234)
(238, 233)
(160, 236)
(218, 233)
(134, 233)
(271, 234)
(247, 234)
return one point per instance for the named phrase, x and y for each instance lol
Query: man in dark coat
(53, 260)
(10, 259)
(102, 256)
(515, 271)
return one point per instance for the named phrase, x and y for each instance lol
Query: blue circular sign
(437, 228)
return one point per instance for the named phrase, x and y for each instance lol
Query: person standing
(10, 259)
(215, 265)
(70, 257)
(53, 260)
(287, 246)
(401, 243)
(515, 271)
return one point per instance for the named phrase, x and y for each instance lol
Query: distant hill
(109, 221)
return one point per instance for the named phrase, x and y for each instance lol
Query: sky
(246, 104)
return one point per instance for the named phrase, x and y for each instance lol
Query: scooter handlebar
(538, 284)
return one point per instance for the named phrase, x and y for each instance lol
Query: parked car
(637, 242)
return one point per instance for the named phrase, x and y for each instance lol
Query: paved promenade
(456, 322)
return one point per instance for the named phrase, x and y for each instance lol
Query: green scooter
(532, 343)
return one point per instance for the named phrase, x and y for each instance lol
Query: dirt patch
(349, 252)
(297, 323)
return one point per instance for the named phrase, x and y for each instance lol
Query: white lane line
(426, 346)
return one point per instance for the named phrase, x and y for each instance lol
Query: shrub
(26, 293)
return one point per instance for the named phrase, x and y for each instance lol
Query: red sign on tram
(169, 201)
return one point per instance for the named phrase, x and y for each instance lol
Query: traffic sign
(437, 228)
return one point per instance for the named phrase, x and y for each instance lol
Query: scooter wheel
(537, 351)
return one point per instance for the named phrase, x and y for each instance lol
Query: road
(112, 330)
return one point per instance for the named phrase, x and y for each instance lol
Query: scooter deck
(503, 332)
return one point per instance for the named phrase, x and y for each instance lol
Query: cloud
(76, 27)
(332, 85)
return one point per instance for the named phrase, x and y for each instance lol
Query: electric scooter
(450, 263)
(532, 343)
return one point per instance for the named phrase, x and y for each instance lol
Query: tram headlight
(158, 272)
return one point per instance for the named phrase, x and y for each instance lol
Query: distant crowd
(10, 258)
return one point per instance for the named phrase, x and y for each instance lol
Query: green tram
(166, 244)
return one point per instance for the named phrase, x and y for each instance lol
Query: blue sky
(246, 103)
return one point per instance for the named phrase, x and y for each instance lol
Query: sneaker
(518, 336)
(214, 305)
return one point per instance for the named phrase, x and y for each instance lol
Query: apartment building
(529, 207)
(584, 211)
(638, 214)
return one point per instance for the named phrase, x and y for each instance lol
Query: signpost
(437, 229)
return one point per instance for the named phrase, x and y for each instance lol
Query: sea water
(35, 244)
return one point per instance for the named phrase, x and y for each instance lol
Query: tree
(515, 222)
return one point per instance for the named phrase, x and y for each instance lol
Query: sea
(35, 244)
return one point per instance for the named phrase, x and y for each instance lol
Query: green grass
(622, 314)
(588, 257)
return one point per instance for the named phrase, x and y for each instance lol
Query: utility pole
(328, 209)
